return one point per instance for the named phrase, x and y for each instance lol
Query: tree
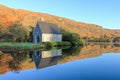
(18, 32)
(30, 37)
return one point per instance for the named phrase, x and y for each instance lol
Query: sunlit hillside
(28, 18)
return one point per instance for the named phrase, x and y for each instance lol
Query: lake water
(91, 62)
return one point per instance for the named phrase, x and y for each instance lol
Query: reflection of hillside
(20, 60)
(90, 51)
(5, 59)
(14, 61)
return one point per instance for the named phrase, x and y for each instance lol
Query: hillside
(8, 16)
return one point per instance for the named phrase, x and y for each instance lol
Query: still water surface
(91, 62)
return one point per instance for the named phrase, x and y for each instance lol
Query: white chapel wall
(51, 37)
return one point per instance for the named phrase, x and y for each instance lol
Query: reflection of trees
(13, 60)
(88, 51)
(18, 58)
(5, 59)
(72, 51)
(1, 54)
(116, 45)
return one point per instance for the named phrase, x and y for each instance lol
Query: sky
(105, 13)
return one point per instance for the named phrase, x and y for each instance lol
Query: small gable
(37, 29)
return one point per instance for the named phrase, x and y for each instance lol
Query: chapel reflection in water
(46, 58)
(16, 61)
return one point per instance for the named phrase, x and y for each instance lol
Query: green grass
(56, 44)
(21, 45)
(26, 46)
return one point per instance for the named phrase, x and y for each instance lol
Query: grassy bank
(44, 45)
(20, 46)
(56, 44)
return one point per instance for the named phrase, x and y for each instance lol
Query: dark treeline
(104, 38)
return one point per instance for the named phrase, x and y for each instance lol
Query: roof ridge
(49, 28)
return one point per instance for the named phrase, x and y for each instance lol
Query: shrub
(56, 44)
(73, 38)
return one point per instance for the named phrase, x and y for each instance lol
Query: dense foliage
(102, 39)
(73, 38)
(72, 51)
(14, 33)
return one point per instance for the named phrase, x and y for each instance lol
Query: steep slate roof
(45, 62)
(48, 28)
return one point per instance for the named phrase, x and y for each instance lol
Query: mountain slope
(8, 16)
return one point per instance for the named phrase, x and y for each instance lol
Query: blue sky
(102, 12)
